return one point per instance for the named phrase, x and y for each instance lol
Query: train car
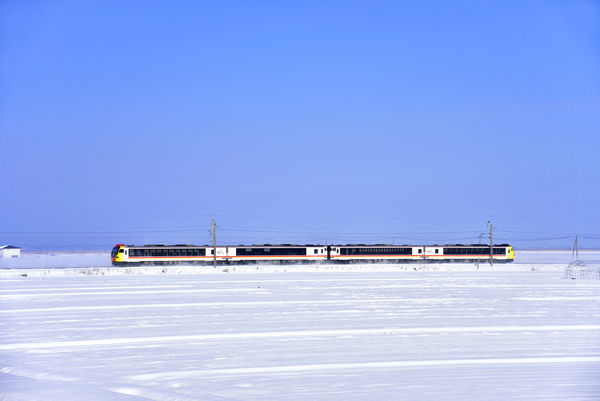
(476, 252)
(157, 254)
(288, 253)
(431, 253)
(372, 253)
(285, 253)
(191, 254)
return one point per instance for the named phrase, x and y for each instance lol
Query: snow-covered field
(553, 256)
(313, 335)
(57, 260)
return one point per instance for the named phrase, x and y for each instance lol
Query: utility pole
(575, 250)
(477, 260)
(214, 233)
(491, 243)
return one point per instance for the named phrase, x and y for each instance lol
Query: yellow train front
(128, 255)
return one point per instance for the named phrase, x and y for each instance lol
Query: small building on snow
(10, 251)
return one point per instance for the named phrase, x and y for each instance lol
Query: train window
(374, 251)
(437, 251)
(316, 251)
(420, 251)
(292, 251)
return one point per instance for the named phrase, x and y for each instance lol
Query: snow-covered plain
(57, 260)
(312, 335)
(95, 259)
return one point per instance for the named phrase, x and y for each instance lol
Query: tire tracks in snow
(279, 334)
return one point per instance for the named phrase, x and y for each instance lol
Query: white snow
(38, 260)
(316, 334)
(553, 256)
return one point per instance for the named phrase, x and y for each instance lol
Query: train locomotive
(129, 255)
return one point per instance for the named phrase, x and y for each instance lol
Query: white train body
(285, 253)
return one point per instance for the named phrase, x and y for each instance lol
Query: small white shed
(10, 251)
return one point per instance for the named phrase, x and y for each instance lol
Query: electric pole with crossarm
(214, 233)
(491, 242)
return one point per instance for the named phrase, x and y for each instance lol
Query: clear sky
(309, 121)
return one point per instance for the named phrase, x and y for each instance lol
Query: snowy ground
(553, 256)
(57, 260)
(478, 335)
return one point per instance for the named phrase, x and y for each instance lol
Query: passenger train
(128, 255)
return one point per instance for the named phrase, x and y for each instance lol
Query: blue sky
(349, 121)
